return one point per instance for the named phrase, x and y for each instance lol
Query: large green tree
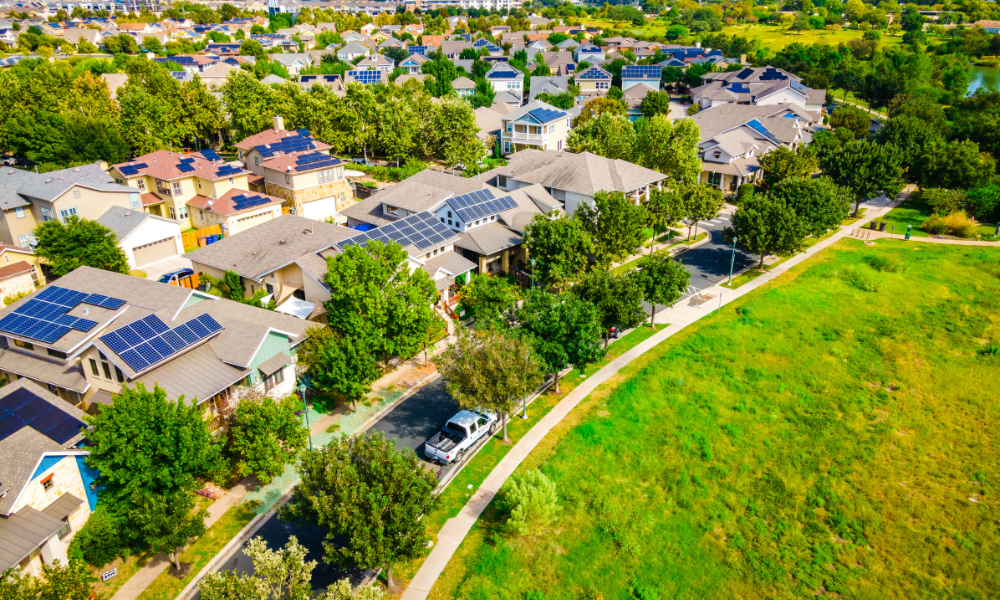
(370, 498)
(488, 297)
(765, 226)
(375, 296)
(664, 208)
(865, 168)
(820, 203)
(265, 435)
(618, 299)
(615, 224)
(166, 521)
(338, 364)
(491, 369)
(782, 163)
(454, 132)
(955, 165)
(700, 203)
(663, 281)
(608, 135)
(558, 248)
(78, 243)
(57, 582)
(851, 118)
(283, 574)
(670, 148)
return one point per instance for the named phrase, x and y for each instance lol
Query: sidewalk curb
(257, 522)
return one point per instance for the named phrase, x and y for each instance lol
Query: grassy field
(915, 212)
(777, 38)
(831, 434)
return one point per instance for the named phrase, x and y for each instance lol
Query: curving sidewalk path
(679, 317)
(869, 234)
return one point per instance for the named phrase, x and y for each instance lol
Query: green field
(915, 212)
(832, 434)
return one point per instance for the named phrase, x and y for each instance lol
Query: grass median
(827, 435)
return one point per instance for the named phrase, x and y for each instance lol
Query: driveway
(410, 423)
(155, 270)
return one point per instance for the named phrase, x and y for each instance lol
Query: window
(177, 188)
(510, 126)
(107, 370)
(502, 180)
(6, 259)
(135, 201)
(65, 529)
(182, 212)
(26, 240)
(76, 193)
(340, 174)
(25, 345)
(230, 181)
(162, 187)
(47, 483)
(603, 85)
(67, 213)
(275, 378)
(47, 213)
(19, 212)
(119, 375)
(288, 180)
(256, 161)
(506, 147)
(56, 353)
(173, 213)
(716, 154)
(119, 181)
(93, 368)
(199, 183)
(141, 184)
(715, 178)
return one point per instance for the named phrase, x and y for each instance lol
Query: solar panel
(545, 115)
(44, 316)
(10, 425)
(426, 232)
(149, 341)
(66, 430)
(366, 77)
(185, 168)
(312, 157)
(129, 171)
(641, 72)
(32, 409)
(303, 132)
(37, 413)
(16, 399)
(210, 155)
(422, 50)
(319, 165)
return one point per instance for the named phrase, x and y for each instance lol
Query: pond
(983, 77)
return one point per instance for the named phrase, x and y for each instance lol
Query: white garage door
(245, 223)
(320, 209)
(154, 251)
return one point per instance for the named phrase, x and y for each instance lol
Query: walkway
(869, 234)
(679, 317)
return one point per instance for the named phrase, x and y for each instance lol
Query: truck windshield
(459, 429)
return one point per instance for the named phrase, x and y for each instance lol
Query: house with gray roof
(143, 237)
(763, 85)
(28, 198)
(574, 179)
(99, 331)
(46, 489)
(553, 85)
(351, 51)
(293, 61)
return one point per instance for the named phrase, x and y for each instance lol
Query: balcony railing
(530, 137)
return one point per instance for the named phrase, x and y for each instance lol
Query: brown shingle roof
(18, 268)
(270, 136)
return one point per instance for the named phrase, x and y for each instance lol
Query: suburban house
(574, 179)
(143, 237)
(234, 211)
(591, 54)
(20, 271)
(505, 78)
(733, 137)
(169, 180)
(257, 149)
(96, 331)
(560, 63)
(764, 86)
(293, 61)
(74, 35)
(310, 183)
(535, 125)
(990, 27)
(453, 50)
(192, 63)
(351, 51)
(281, 256)
(371, 77)
(47, 492)
(594, 82)
(412, 64)
(464, 87)
(552, 84)
(641, 75)
(307, 82)
(28, 198)
(489, 222)
(633, 98)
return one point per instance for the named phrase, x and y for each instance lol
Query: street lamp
(524, 407)
(305, 409)
(732, 263)
(532, 273)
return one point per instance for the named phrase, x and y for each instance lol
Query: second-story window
(141, 184)
(25, 345)
(162, 187)
(106, 366)
(288, 179)
(177, 188)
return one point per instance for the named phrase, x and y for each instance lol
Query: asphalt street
(709, 263)
(410, 424)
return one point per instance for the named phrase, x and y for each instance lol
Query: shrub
(957, 224)
(984, 203)
(935, 226)
(99, 541)
(531, 501)
(942, 201)
(885, 264)
(8, 300)
(861, 279)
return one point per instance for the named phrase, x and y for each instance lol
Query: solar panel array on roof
(187, 160)
(481, 42)
(759, 127)
(319, 165)
(210, 155)
(303, 132)
(772, 74)
(228, 170)
(44, 317)
(366, 77)
(479, 204)
(418, 50)
(546, 115)
(149, 341)
(594, 73)
(245, 201)
(422, 230)
(131, 170)
(503, 73)
(22, 408)
(287, 145)
(641, 72)
(739, 88)
(747, 72)
(185, 168)
(305, 159)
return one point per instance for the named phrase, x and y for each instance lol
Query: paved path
(679, 317)
(868, 234)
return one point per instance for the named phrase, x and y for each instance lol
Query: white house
(505, 78)
(145, 238)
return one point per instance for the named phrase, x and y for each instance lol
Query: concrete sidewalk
(870, 234)
(679, 317)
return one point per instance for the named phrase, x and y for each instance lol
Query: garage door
(320, 209)
(154, 251)
(245, 223)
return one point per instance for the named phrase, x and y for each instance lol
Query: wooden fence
(190, 239)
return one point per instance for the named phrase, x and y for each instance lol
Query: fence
(190, 239)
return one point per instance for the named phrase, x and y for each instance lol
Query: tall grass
(815, 440)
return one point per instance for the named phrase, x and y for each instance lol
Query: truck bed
(444, 441)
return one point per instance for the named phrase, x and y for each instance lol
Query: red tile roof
(282, 163)
(270, 136)
(17, 268)
(148, 199)
(225, 205)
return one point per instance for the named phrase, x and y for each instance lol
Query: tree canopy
(78, 243)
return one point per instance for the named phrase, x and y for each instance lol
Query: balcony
(527, 137)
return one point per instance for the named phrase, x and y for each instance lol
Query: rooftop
(167, 165)
(17, 186)
(582, 173)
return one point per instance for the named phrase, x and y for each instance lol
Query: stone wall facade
(297, 198)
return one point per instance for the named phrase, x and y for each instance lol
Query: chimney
(743, 59)
(697, 44)
(279, 123)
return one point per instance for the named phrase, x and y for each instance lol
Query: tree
(783, 162)
(249, 103)
(530, 501)
(597, 107)
(253, 48)
(655, 103)
(618, 299)
(375, 296)
(670, 148)
(955, 165)
(663, 281)
(276, 575)
(455, 133)
(865, 168)
(608, 135)
(338, 364)
(765, 226)
(615, 225)
(491, 370)
(150, 451)
(58, 582)
(489, 297)
(701, 203)
(853, 118)
(265, 435)
(566, 330)
(78, 243)
(558, 247)
(151, 44)
(819, 203)
(369, 496)
(166, 521)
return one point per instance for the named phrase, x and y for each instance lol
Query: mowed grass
(815, 439)
(915, 212)
(777, 38)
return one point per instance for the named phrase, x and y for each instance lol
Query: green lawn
(777, 38)
(915, 212)
(813, 440)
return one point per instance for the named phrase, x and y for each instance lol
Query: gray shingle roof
(44, 370)
(20, 534)
(417, 193)
(554, 85)
(22, 450)
(123, 221)
(17, 186)
(489, 239)
(452, 262)
(582, 173)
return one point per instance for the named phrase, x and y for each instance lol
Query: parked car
(461, 433)
(362, 161)
(613, 332)
(175, 276)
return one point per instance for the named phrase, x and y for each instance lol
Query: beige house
(11, 256)
(234, 211)
(28, 199)
(536, 125)
(594, 82)
(46, 490)
(169, 180)
(257, 149)
(313, 185)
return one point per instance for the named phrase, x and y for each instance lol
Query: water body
(983, 77)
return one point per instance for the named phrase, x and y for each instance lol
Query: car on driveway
(175, 276)
(461, 433)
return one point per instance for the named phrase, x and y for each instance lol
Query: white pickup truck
(461, 433)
